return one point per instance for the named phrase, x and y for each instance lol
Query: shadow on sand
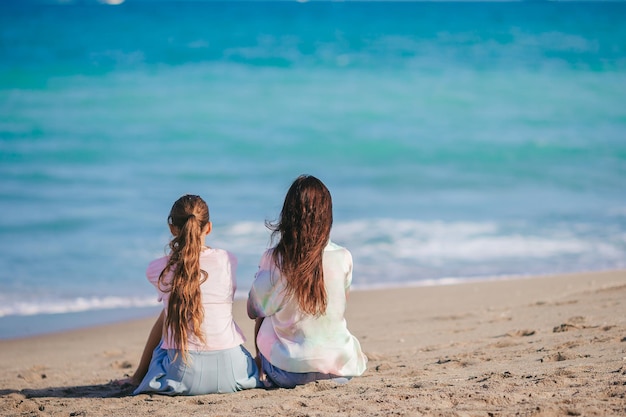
(109, 390)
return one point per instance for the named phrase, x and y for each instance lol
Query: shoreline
(17, 326)
(549, 345)
(28, 326)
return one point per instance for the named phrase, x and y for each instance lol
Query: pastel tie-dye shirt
(298, 342)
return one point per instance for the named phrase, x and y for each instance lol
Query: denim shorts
(284, 379)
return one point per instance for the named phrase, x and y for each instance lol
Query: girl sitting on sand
(299, 296)
(200, 349)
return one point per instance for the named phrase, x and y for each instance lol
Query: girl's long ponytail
(185, 312)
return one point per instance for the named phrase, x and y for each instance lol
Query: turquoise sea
(460, 141)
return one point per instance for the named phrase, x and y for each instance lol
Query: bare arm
(257, 357)
(257, 326)
(153, 341)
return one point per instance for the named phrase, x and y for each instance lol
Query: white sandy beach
(546, 346)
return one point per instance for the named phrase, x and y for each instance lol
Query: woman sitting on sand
(200, 349)
(299, 296)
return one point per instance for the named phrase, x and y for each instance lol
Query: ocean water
(460, 141)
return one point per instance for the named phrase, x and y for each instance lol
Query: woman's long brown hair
(185, 313)
(304, 230)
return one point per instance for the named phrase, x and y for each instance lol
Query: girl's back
(201, 348)
(218, 326)
(299, 342)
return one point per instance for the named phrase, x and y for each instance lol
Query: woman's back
(299, 342)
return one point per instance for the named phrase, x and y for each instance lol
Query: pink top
(219, 327)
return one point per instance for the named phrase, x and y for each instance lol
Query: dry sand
(548, 346)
